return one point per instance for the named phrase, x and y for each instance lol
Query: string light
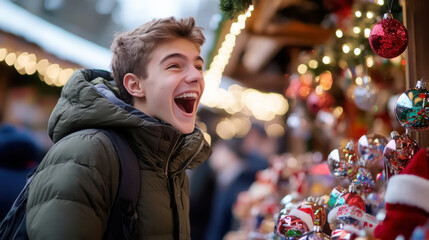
(326, 60)
(263, 106)
(367, 32)
(313, 64)
(357, 51)
(26, 63)
(10, 59)
(339, 33)
(338, 111)
(302, 68)
(3, 53)
(274, 129)
(358, 14)
(356, 30)
(346, 48)
(359, 81)
(369, 61)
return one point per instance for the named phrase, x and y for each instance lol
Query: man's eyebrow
(199, 58)
(178, 55)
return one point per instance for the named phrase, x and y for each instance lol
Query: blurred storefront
(36, 59)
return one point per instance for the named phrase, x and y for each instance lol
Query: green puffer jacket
(75, 185)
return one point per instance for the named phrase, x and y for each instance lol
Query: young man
(159, 82)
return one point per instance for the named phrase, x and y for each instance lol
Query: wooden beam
(259, 51)
(263, 13)
(415, 17)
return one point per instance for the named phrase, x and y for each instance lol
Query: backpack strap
(13, 225)
(123, 215)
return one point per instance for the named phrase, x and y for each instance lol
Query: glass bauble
(335, 195)
(364, 181)
(343, 162)
(291, 226)
(365, 95)
(343, 234)
(315, 236)
(317, 101)
(412, 108)
(399, 151)
(389, 37)
(351, 199)
(370, 148)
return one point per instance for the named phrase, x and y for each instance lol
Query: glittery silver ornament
(370, 148)
(364, 181)
(343, 162)
(365, 95)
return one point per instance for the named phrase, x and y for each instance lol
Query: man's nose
(194, 75)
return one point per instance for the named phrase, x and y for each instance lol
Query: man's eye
(173, 66)
(200, 68)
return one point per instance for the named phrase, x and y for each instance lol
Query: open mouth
(186, 102)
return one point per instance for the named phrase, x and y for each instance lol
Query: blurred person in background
(202, 185)
(231, 178)
(235, 163)
(19, 154)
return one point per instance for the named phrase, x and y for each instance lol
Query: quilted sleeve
(73, 189)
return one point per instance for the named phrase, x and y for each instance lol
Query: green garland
(233, 8)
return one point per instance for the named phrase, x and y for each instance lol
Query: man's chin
(185, 128)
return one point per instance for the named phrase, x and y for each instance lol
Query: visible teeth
(188, 95)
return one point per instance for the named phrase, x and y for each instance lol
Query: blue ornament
(364, 181)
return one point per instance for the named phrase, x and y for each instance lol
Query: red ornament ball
(291, 226)
(399, 151)
(388, 37)
(318, 101)
(351, 199)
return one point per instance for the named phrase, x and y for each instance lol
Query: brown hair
(132, 50)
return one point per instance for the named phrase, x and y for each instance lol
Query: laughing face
(174, 84)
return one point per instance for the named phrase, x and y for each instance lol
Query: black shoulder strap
(123, 216)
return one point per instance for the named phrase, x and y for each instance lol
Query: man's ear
(133, 85)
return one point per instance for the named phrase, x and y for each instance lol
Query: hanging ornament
(388, 38)
(364, 181)
(412, 108)
(319, 210)
(291, 226)
(320, 215)
(347, 215)
(335, 195)
(399, 151)
(343, 162)
(375, 202)
(380, 176)
(318, 100)
(365, 95)
(315, 235)
(370, 149)
(351, 198)
(343, 234)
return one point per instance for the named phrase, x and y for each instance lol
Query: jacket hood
(90, 100)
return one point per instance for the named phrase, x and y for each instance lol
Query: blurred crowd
(20, 153)
(216, 185)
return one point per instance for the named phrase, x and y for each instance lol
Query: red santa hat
(407, 204)
(305, 213)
